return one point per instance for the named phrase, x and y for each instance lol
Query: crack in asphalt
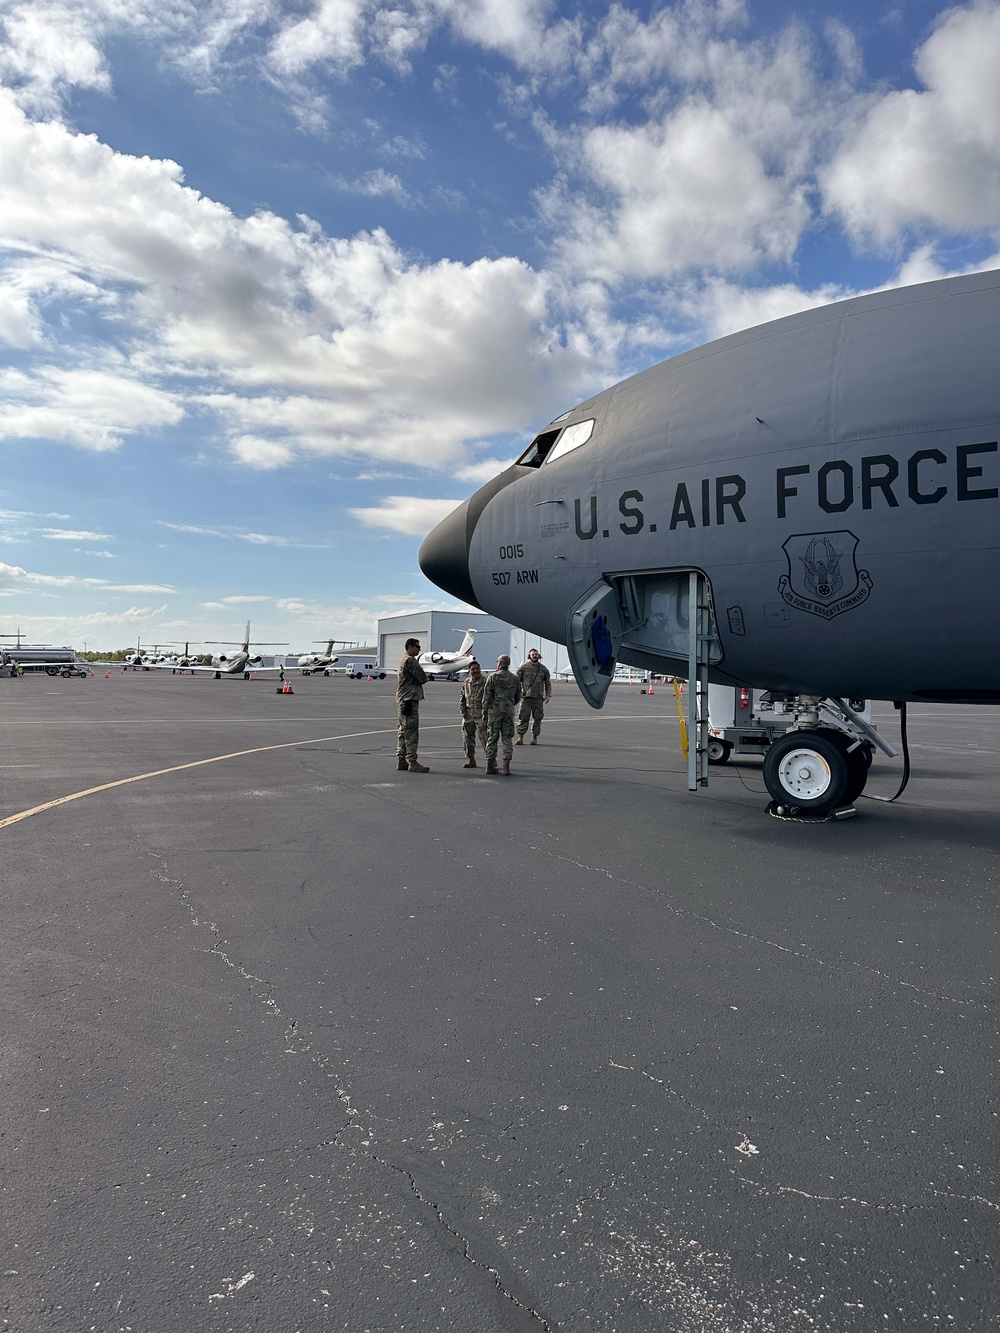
(264, 992)
(466, 1252)
(671, 1091)
(967, 1198)
(770, 1191)
(845, 965)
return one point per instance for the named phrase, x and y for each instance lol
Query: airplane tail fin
(246, 638)
(467, 642)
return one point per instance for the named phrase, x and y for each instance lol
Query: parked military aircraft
(447, 666)
(231, 664)
(811, 508)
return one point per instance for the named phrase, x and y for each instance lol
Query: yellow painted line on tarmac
(241, 754)
(197, 763)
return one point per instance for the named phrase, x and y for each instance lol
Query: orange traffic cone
(288, 689)
(107, 675)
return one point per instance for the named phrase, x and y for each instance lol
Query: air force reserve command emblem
(823, 576)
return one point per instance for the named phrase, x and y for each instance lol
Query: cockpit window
(571, 438)
(556, 420)
(537, 450)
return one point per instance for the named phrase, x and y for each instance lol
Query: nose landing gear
(816, 770)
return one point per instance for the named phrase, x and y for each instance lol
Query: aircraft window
(556, 420)
(534, 455)
(571, 438)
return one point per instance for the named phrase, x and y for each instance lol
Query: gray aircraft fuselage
(835, 475)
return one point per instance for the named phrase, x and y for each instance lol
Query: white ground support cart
(746, 721)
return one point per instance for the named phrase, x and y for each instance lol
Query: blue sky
(282, 282)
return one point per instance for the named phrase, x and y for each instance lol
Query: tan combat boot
(471, 763)
(491, 766)
(534, 740)
(414, 767)
(400, 764)
(506, 768)
(519, 741)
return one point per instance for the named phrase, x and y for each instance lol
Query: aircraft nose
(444, 555)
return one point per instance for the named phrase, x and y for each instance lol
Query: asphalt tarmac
(293, 1041)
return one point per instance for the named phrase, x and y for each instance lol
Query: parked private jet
(244, 663)
(185, 660)
(146, 657)
(448, 666)
(309, 662)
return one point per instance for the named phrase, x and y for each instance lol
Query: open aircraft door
(663, 613)
(595, 628)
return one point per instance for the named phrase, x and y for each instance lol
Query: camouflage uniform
(410, 682)
(470, 704)
(536, 686)
(500, 698)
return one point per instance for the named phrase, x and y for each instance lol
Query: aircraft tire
(859, 761)
(326, 673)
(807, 770)
(718, 751)
(218, 675)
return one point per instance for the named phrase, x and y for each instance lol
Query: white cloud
(722, 307)
(91, 409)
(339, 35)
(922, 265)
(688, 192)
(261, 453)
(104, 586)
(227, 533)
(406, 514)
(929, 158)
(69, 535)
(237, 601)
(321, 346)
(381, 184)
(15, 576)
(19, 323)
(521, 30)
(330, 34)
(264, 539)
(192, 528)
(715, 172)
(482, 471)
(77, 627)
(688, 146)
(50, 46)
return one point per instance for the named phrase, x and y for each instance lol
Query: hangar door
(393, 647)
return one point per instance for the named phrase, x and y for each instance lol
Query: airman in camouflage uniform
(470, 704)
(410, 682)
(500, 698)
(536, 690)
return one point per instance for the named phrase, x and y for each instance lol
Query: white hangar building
(443, 631)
